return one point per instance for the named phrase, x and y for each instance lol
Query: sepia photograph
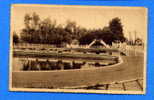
(78, 49)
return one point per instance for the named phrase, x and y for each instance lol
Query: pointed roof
(100, 42)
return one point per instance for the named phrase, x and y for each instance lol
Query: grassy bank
(53, 54)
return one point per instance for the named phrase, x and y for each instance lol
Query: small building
(73, 44)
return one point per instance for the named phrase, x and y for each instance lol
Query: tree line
(47, 31)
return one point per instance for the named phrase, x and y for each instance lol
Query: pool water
(41, 64)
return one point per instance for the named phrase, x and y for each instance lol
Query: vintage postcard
(84, 49)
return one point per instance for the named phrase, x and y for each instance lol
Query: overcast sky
(132, 18)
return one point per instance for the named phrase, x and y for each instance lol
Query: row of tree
(47, 31)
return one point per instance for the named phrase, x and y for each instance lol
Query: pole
(135, 43)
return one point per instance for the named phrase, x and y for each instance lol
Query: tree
(35, 20)
(15, 38)
(70, 26)
(117, 29)
(107, 36)
(47, 31)
(27, 19)
(88, 38)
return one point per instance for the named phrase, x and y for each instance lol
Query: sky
(133, 19)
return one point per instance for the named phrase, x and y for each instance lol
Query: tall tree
(71, 27)
(108, 36)
(117, 29)
(27, 19)
(35, 20)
